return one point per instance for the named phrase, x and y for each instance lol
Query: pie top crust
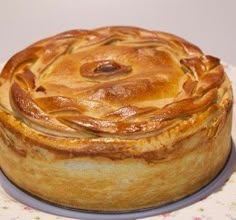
(98, 92)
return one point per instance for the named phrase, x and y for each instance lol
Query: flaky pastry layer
(116, 118)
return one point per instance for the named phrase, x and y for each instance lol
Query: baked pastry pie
(113, 119)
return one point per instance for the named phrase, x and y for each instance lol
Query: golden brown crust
(109, 69)
(113, 94)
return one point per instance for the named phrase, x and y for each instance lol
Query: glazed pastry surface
(115, 113)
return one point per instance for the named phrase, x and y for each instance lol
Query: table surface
(219, 205)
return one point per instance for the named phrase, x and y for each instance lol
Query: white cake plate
(44, 206)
